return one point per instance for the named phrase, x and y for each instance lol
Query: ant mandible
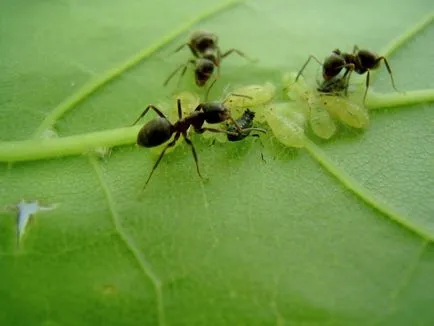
(360, 61)
(204, 46)
(160, 130)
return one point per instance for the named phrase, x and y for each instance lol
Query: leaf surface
(337, 233)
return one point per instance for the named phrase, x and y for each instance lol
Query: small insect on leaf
(297, 90)
(287, 124)
(320, 120)
(348, 112)
(253, 96)
(308, 98)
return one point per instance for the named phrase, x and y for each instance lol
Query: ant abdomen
(154, 133)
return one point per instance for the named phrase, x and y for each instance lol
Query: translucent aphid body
(349, 113)
(320, 120)
(287, 124)
(254, 97)
(322, 107)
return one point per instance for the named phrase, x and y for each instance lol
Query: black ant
(360, 61)
(208, 55)
(160, 130)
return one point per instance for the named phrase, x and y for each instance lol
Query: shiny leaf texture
(337, 233)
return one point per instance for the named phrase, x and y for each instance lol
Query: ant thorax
(211, 55)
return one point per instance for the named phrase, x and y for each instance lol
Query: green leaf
(337, 233)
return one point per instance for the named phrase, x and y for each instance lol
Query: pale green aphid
(306, 97)
(320, 120)
(287, 123)
(254, 97)
(348, 112)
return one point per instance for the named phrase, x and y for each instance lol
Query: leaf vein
(144, 265)
(86, 90)
(363, 193)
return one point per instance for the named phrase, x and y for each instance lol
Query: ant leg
(389, 70)
(184, 66)
(241, 54)
(180, 47)
(189, 45)
(236, 124)
(196, 160)
(355, 49)
(153, 107)
(367, 85)
(209, 88)
(179, 109)
(171, 144)
(260, 143)
(349, 70)
(305, 64)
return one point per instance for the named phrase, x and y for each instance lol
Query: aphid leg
(241, 54)
(258, 137)
(193, 150)
(228, 97)
(153, 107)
(306, 63)
(171, 144)
(246, 130)
(355, 49)
(389, 70)
(184, 66)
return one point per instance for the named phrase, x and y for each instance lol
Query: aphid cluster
(325, 104)
(321, 106)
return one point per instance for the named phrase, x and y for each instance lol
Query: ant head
(215, 112)
(333, 65)
(203, 40)
(368, 59)
(154, 133)
(203, 71)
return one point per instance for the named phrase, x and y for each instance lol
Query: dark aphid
(245, 122)
(160, 130)
(360, 61)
